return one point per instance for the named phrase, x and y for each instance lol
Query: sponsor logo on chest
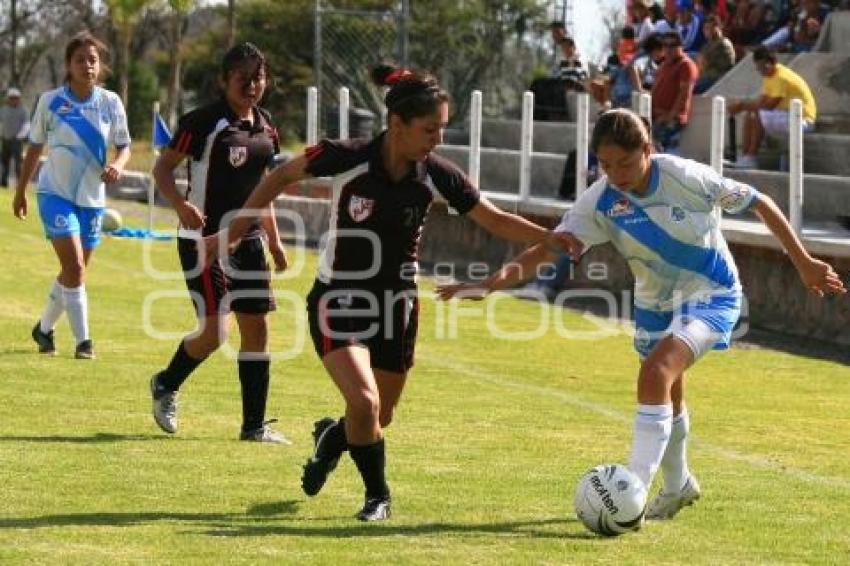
(360, 208)
(622, 207)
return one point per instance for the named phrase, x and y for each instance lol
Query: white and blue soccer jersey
(78, 135)
(669, 236)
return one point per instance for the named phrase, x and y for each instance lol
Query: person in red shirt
(672, 93)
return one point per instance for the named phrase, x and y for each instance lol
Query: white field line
(576, 401)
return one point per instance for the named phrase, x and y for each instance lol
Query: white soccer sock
(77, 306)
(54, 309)
(651, 434)
(674, 465)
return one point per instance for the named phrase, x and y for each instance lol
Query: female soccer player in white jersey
(658, 212)
(363, 308)
(77, 121)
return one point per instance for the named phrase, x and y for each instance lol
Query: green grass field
(489, 442)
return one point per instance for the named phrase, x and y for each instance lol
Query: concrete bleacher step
(825, 196)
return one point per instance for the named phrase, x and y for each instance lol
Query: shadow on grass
(263, 510)
(100, 437)
(245, 524)
(520, 529)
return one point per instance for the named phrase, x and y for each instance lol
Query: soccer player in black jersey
(230, 144)
(363, 308)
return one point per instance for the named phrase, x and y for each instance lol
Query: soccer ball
(111, 220)
(610, 500)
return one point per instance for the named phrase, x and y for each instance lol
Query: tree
(179, 11)
(125, 14)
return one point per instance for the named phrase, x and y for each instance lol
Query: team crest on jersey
(360, 208)
(238, 155)
(64, 109)
(677, 214)
(623, 207)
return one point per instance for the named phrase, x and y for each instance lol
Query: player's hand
(820, 278)
(19, 205)
(566, 243)
(278, 254)
(470, 291)
(190, 216)
(110, 174)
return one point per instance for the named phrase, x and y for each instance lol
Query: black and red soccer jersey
(228, 157)
(376, 223)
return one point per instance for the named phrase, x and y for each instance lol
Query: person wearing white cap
(14, 126)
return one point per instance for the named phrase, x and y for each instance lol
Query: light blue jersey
(78, 134)
(670, 236)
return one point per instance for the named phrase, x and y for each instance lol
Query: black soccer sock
(254, 378)
(333, 441)
(178, 370)
(371, 462)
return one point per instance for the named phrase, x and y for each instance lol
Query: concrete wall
(777, 300)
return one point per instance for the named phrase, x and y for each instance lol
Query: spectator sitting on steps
(769, 113)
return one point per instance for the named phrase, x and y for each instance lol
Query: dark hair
(652, 43)
(237, 55)
(713, 19)
(412, 94)
(656, 12)
(762, 54)
(672, 36)
(622, 128)
(628, 32)
(567, 40)
(86, 39)
(557, 25)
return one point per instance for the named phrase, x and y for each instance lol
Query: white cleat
(666, 505)
(164, 407)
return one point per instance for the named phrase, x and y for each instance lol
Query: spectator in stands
(747, 25)
(644, 67)
(800, 29)
(689, 26)
(672, 93)
(550, 102)
(627, 46)
(641, 20)
(660, 18)
(768, 114)
(716, 57)
(569, 68)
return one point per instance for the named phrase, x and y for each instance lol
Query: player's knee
(73, 274)
(364, 407)
(656, 373)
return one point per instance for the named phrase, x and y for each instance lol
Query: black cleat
(44, 340)
(320, 464)
(85, 350)
(375, 509)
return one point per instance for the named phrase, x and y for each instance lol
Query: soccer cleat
(375, 509)
(85, 350)
(45, 342)
(321, 463)
(264, 434)
(666, 505)
(164, 406)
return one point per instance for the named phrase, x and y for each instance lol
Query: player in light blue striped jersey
(660, 213)
(78, 121)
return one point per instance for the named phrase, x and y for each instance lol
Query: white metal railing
(343, 113)
(475, 138)
(641, 104)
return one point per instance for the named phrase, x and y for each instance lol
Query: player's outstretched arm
(19, 202)
(818, 276)
(506, 225)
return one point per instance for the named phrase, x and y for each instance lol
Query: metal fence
(347, 42)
